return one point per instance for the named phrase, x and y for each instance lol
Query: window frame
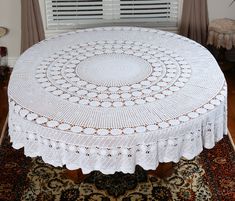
(50, 32)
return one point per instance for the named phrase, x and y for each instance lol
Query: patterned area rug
(209, 176)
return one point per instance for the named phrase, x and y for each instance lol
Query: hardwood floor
(3, 102)
(229, 74)
(230, 77)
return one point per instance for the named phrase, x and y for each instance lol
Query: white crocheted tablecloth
(110, 98)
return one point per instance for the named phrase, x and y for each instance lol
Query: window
(67, 14)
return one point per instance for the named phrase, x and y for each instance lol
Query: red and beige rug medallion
(209, 176)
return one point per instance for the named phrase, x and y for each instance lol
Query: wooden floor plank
(3, 103)
(230, 78)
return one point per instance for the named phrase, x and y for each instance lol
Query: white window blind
(77, 13)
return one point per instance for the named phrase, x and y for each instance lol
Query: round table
(110, 98)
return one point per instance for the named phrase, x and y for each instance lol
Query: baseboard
(12, 61)
(3, 132)
(231, 139)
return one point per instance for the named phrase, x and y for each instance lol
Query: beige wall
(221, 9)
(10, 18)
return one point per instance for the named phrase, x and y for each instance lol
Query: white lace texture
(110, 98)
